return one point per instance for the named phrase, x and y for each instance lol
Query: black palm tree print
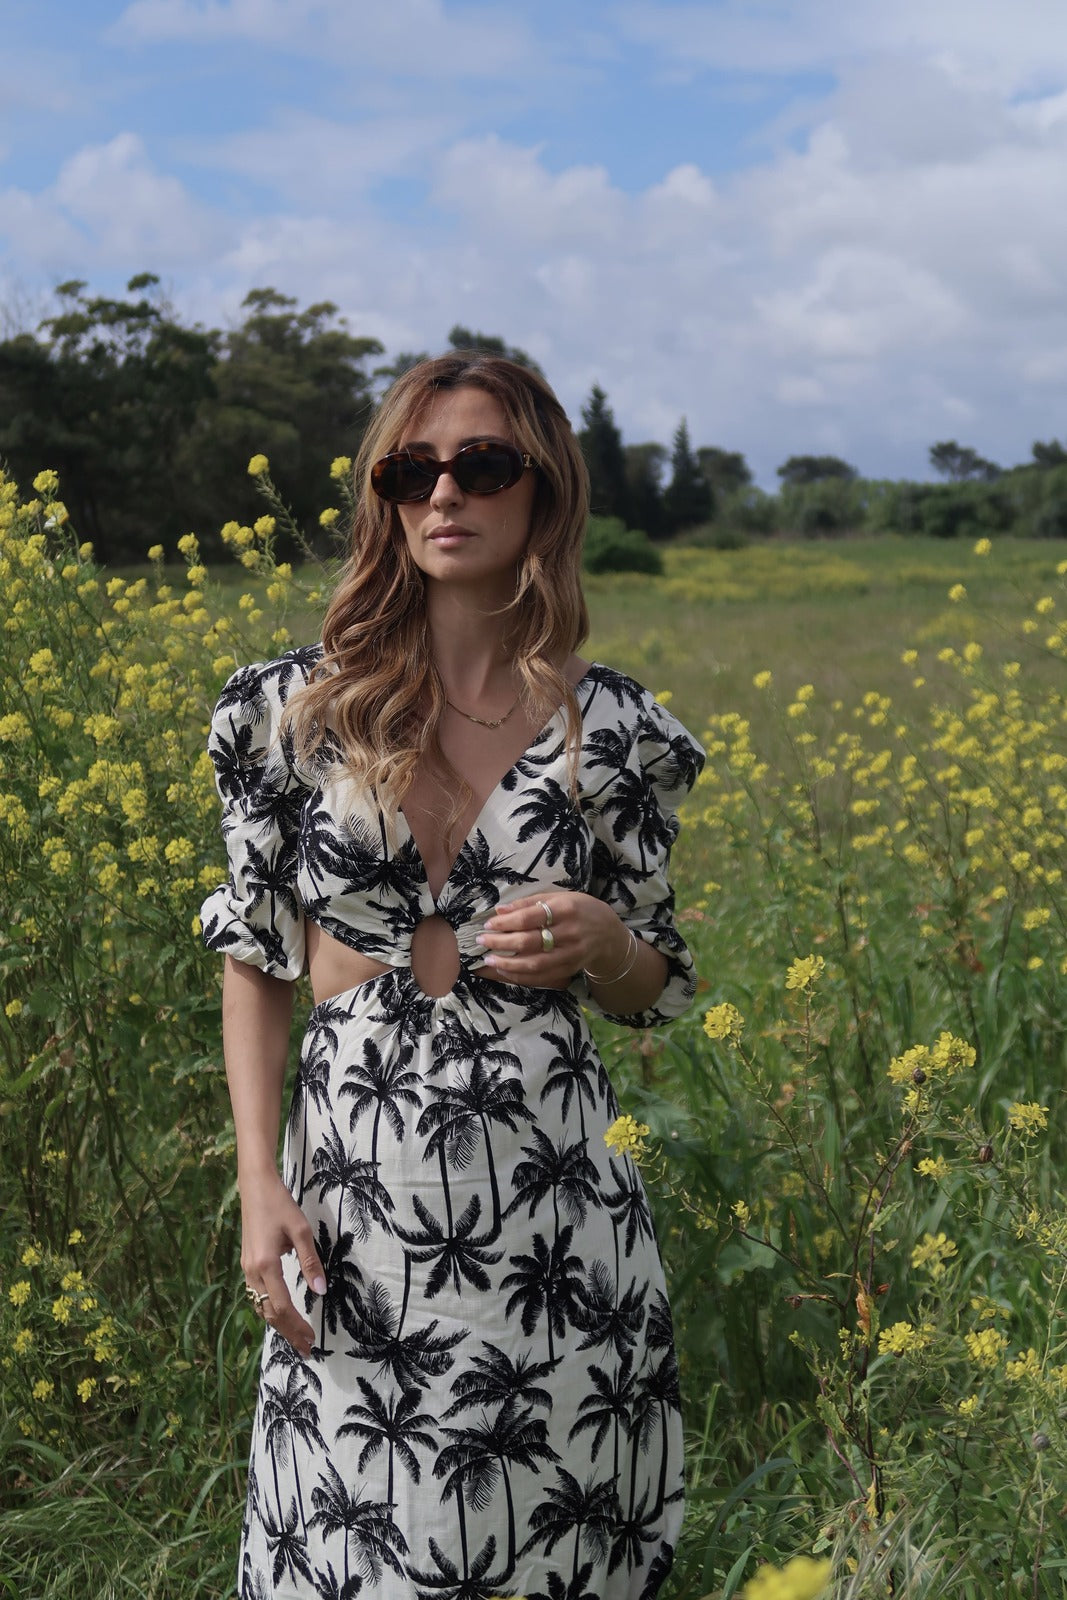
(491, 1407)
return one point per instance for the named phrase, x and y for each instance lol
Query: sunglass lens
(485, 469)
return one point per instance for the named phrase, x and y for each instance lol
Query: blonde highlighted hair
(377, 691)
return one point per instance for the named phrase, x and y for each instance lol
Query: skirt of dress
(492, 1406)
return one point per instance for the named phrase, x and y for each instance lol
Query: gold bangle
(627, 966)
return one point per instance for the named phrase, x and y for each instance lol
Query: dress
(491, 1408)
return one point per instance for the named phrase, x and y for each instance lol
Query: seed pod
(985, 1152)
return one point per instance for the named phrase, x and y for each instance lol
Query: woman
(460, 829)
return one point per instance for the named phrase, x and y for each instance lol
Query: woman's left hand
(542, 941)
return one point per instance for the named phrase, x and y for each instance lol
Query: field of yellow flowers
(855, 1144)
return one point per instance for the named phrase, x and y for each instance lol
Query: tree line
(150, 424)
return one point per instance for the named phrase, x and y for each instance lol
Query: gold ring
(547, 909)
(256, 1298)
(547, 940)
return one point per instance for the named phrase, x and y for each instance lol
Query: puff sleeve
(633, 812)
(257, 916)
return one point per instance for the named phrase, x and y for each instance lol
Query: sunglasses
(484, 468)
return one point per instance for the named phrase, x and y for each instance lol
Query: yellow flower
(22, 1342)
(76, 1236)
(723, 1022)
(803, 1578)
(43, 1389)
(904, 1339)
(85, 1389)
(31, 1256)
(957, 593)
(933, 1253)
(986, 1347)
(742, 1212)
(1027, 1117)
(19, 1292)
(258, 466)
(1027, 1365)
(803, 972)
(626, 1137)
(61, 1309)
(982, 547)
(968, 1407)
(762, 680)
(262, 528)
(933, 1167)
(1036, 918)
(46, 482)
(155, 552)
(14, 1008)
(340, 467)
(328, 517)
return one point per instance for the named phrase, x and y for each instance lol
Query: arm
(256, 1017)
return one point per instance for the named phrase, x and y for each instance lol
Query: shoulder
(263, 685)
(618, 711)
(246, 733)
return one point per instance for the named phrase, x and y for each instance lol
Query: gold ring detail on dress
(547, 909)
(547, 940)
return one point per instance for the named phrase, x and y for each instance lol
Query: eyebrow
(477, 438)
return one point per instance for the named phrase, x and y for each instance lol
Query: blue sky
(807, 225)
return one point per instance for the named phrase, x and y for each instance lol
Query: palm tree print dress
(491, 1407)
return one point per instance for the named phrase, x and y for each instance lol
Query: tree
(461, 338)
(601, 444)
(687, 500)
(959, 463)
(810, 469)
(644, 464)
(725, 471)
(1051, 454)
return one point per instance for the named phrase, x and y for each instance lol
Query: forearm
(257, 1013)
(628, 975)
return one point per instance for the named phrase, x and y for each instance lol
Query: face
(457, 538)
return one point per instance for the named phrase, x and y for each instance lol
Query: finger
(311, 1267)
(283, 1316)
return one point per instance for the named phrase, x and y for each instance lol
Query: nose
(446, 492)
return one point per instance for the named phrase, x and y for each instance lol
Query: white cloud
(406, 38)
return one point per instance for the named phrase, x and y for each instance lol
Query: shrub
(610, 546)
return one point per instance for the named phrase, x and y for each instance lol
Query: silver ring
(547, 940)
(547, 909)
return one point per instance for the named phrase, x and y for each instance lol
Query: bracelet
(627, 966)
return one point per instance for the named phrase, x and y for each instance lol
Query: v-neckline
(490, 794)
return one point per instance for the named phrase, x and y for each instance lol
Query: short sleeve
(633, 810)
(256, 916)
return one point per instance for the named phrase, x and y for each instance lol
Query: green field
(867, 1248)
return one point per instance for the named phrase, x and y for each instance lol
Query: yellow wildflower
(982, 547)
(985, 1347)
(957, 593)
(762, 680)
(340, 467)
(31, 1256)
(14, 1008)
(262, 528)
(903, 1339)
(258, 466)
(723, 1022)
(935, 1167)
(1027, 1365)
(43, 1389)
(19, 1292)
(328, 517)
(933, 1253)
(1027, 1116)
(46, 482)
(626, 1137)
(804, 972)
(968, 1407)
(803, 1578)
(742, 1212)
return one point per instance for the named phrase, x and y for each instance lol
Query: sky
(808, 226)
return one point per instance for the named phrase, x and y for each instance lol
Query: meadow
(855, 1143)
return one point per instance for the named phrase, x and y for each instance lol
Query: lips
(449, 533)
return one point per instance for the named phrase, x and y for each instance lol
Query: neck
(469, 643)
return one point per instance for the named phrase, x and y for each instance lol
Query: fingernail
(319, 1285)
(481, 939)
(490, 960)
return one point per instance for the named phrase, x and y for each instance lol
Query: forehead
(453, 416)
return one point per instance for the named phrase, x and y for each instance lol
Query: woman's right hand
(272, 1224)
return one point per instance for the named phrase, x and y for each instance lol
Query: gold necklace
(483, 722)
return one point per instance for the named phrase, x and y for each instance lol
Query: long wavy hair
(377, 694)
